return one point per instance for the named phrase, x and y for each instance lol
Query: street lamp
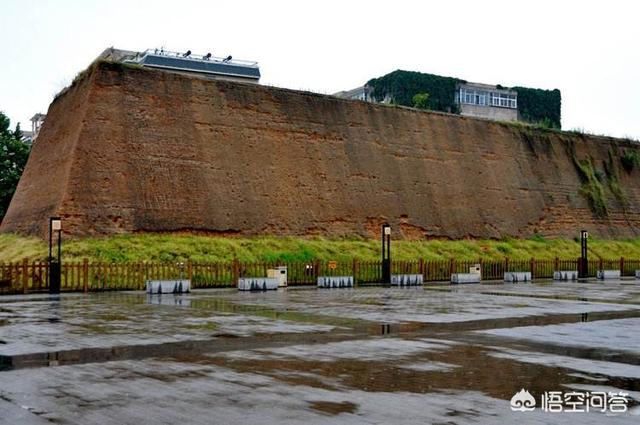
(55, 225)
(386, 253)
(583, 268)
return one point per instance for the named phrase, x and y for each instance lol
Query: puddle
(142, 351)
(241, 351)
(333, 408)
(236, 307)
(504, 323)
(220, 339)
(469, 368)
(615, 339)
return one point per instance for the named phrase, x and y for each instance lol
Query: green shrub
(421, 101)
(591, 188)
(402, 86)
(630, 159)
(540, 106)
(613, 180)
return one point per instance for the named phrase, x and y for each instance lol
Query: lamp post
(55, 225)
(583, 269)
(386, 253)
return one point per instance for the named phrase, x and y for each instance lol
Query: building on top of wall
(453, 95)
(487, 101)
(206, 65)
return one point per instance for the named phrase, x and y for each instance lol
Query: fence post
(506, 264)
(452, 266)
(316, 269)
(621, 266)
(190, 271)
(354, 270)
(556, 265)
(533, 267)
(25, 276)
(600, 266)
(236, 271)
(85, 275)
(421, 267)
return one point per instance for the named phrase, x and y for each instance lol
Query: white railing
(197, 57)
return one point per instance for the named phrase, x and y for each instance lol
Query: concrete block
(258, 283)
(406, 279)
(637, 274)
(517, 277)
(465, 278)
(565, 275)
(179, 286)
(608, 274)
(280, 273)
(335, 281)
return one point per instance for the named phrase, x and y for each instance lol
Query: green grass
(591, 188)
(182, 247)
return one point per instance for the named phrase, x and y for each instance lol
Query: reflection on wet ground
(453, 355)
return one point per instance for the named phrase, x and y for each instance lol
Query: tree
(13, 157)
(421, 101)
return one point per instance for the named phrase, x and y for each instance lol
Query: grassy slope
(164, 247)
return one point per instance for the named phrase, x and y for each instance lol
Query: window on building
(503, 100)
(473, 97)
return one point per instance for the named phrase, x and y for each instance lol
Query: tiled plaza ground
(442, 355)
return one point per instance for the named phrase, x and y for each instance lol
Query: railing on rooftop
(195, 57)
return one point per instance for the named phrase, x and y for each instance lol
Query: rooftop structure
(187, 62)
(454, 95)
(487, 101)
(359, 93)
(36, 123)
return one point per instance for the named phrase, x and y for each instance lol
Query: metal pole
(388, 259)
(584, 260)
(55, 274)
(389, 247)
(386, 253)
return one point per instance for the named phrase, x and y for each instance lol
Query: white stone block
(608, 274)
(406, 279)
(565, 275)
(258, 283)
(517, 277)
(465, 278)
(168, 286)
(335, 281)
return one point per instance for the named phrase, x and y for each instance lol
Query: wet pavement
(438, 354)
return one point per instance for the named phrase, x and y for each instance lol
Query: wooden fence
(27, 277)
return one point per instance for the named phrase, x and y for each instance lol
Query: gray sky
(587, 49)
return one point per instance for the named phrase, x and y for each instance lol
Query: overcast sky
(588, 49)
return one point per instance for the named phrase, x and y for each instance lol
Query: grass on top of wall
(199, 248)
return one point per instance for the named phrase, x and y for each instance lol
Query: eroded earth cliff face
(128, 149)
